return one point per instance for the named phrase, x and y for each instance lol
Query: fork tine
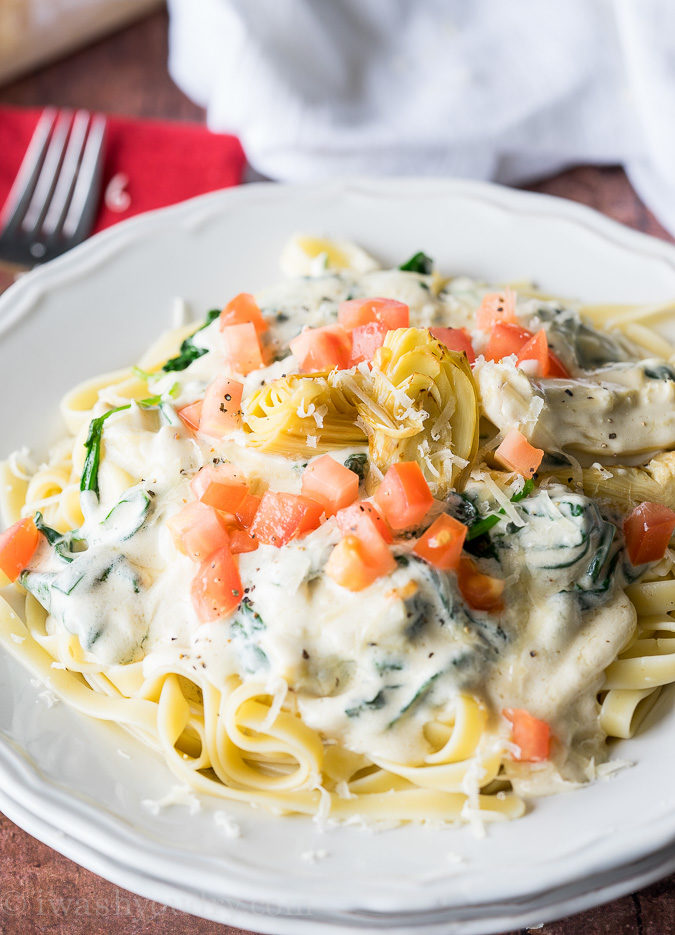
(24, 183)
(48, 175)
(67, 175)
(84, 202)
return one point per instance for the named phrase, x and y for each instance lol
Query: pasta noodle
(426, 687)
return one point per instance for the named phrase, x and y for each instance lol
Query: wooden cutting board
(33, 32)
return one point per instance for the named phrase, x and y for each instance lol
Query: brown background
(43, 892)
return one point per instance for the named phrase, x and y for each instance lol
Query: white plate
(61, 775)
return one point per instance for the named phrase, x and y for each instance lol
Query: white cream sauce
(370, 668)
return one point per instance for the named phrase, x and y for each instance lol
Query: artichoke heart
(418, 402)
(625, 487)
(300, 416)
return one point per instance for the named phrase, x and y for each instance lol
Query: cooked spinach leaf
(89, 480)
(481, 526)
(418, 263)
(51, 535)
(374, 704)
(65, 543)
(660, 372)
(461, 508)
(188, 349)
(419, 695)
(245, 628)
(358, 463)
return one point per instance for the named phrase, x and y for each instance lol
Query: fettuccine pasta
(374, 543)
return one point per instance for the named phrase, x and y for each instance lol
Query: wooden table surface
(43, 892)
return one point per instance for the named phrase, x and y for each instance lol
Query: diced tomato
(357, 312)
(517, 454)
(556, 368)
(221, 486)
(221, 408)
(506, 339)
(285, 516)
(441, 545)
(529, 734)
(648, 530)
(497, 308)
(455, 339)
(330, 483)
(482, 592)
(365, 341)
(535, 352)
(17, 547)
(241, 309)
(404, 496)
(247, 509)
(361, 518)
(355, 564)
(217, 588)
(241, 540)
(322, 348)
(191, 414)
(241, 347)
(198, 530)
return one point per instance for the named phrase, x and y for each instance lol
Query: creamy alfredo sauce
(371, 668)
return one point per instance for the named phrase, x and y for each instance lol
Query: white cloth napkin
(503, 89)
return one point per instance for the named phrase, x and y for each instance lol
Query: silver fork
(52, 204)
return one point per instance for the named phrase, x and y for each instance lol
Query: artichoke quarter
(300, 416)
(626, 486)
(416, 402)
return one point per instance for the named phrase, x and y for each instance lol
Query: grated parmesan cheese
(502, 499)
(177, 795)
(227, 824)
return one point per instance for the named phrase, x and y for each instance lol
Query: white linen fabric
(502, 89)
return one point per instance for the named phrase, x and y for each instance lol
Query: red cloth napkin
(164, 162)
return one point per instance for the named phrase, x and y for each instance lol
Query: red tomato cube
(247, 509)
(648, 530)
(497, 308)
(191, 414)
(404, 496)
(317, 349)
(517, 454)
(242, 347)
(361, 519)
(221, 486)
(535, 353)
(506, 339)
(330, 483)
(241, 540)
(284, 516)
(216, 588)
(365, 341)
(355, 564)
(531, 735)
(221, 408)
(357, 312)
(455, 339)
(441, 545)
(17, 546)
(480, 591)
(243, 309)
(198, 530)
